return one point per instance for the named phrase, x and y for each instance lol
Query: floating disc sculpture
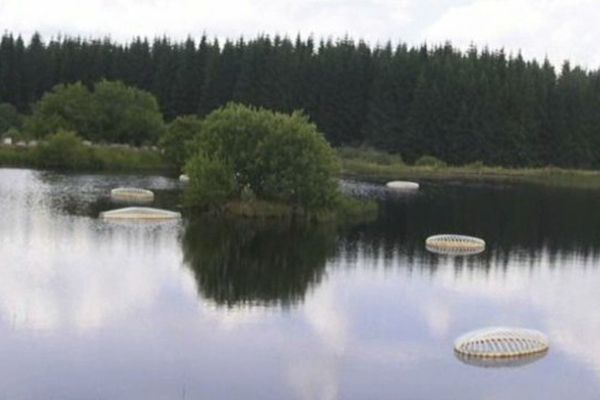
(184, 178)
(402, 185)
(501, 343)
(140, 213)
(454, 244)
(128, 194)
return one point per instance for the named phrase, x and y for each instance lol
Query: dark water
(237, 310)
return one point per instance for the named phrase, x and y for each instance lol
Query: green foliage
(296, 164)
(67, 108)
(125, 114)
(259, 209)
(64, 150)
(127, 159)
(429, 161)
(9, 118)
(176, 140)
(100, 158)
(460, 106)
(17, 157)
(369, 154)
(113, 113)
(211, 183)
(279, 157)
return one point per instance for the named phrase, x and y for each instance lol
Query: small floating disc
(402, 185)
(184, 178)
(129, 194)
(454, 244)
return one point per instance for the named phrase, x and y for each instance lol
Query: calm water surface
(208, 309)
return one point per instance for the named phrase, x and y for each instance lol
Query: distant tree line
(461, 107)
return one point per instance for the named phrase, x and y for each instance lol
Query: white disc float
(129, 194)
(184, 178)
(454, 244)
(402, 185)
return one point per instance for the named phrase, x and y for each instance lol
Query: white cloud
(123, 19)
(558, 29)
(488, 20)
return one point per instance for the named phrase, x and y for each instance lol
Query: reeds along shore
(370, 165)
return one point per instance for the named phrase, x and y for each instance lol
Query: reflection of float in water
(140, 214)
(504, 362)
(500, 346)
(454, 252)
(454, 244)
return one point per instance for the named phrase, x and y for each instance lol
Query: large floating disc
(501, 342)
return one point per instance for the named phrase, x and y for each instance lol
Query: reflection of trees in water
(517, 222)
(247, 262)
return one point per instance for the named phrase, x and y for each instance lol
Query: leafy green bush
(125, 114)
(113, 113)
(66, 107)
(175, 141)
(429, 161)
(211, 183)
(279, 157)
(64, 150)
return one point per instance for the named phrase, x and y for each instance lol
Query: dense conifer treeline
(458, 106)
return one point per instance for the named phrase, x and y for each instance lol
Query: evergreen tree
(476, 105)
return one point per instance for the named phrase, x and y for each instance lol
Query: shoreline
(101, 159)
(549, 176)
(142, 161)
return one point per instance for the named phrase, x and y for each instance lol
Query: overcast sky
(559, 29)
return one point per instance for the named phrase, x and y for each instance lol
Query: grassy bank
(370, 165)
(101, 158)
(361, 164)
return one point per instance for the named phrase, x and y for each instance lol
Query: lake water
(210, 309)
